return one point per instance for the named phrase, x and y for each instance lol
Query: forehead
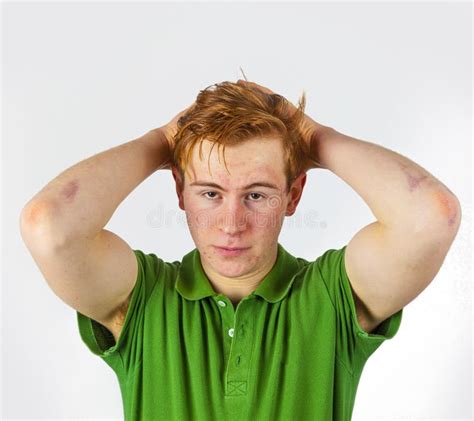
(260, 159)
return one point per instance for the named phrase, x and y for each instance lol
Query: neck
(239, 287)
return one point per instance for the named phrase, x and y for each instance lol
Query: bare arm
(90, 268)
(79, 202)
(391, 261)
(401, 194)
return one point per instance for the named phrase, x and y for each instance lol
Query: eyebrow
(249, 186)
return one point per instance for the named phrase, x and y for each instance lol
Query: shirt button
(231, 332)
(221, 303)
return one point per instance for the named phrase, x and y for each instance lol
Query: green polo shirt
(292, 349)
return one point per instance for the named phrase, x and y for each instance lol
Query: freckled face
(236, 215)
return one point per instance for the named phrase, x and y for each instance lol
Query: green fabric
(297, 351)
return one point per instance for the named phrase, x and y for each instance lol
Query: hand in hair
(168, 132)
(313, 130)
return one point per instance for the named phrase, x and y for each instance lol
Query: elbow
(36, 227)
(449, 209)
(33, 213)
(445, 213)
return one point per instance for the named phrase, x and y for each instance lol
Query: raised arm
(90, 268)
(390, 261)
(79, 202)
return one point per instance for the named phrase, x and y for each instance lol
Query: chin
(231, 270)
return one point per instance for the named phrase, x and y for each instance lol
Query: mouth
(231, 251)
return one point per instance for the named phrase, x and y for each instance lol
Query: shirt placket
(238, 340)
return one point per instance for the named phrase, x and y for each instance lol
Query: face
(243, 208)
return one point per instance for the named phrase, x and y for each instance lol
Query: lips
(231, 252)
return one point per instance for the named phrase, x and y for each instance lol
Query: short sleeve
(100, 340)
(353, 343)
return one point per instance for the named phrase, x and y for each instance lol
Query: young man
(240, 329)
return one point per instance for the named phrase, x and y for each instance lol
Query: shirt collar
(193, 284)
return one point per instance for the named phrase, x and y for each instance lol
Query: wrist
(320, 135)
(323, 142)
(159, 146)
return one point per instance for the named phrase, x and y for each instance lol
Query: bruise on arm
(443, 199)
(41, 206)
(69, 191)
(414, 178)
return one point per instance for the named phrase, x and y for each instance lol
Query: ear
(294, 195)
(179, 185)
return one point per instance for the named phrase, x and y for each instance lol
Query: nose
(233, 216)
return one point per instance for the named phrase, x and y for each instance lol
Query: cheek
(268, 220)
(199, 219)
(267, 215)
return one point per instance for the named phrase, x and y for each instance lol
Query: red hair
(229, 113)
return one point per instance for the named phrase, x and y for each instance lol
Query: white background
(81, 78)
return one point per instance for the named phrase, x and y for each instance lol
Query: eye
(256, 197)
(258, 194)
(211, 192)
